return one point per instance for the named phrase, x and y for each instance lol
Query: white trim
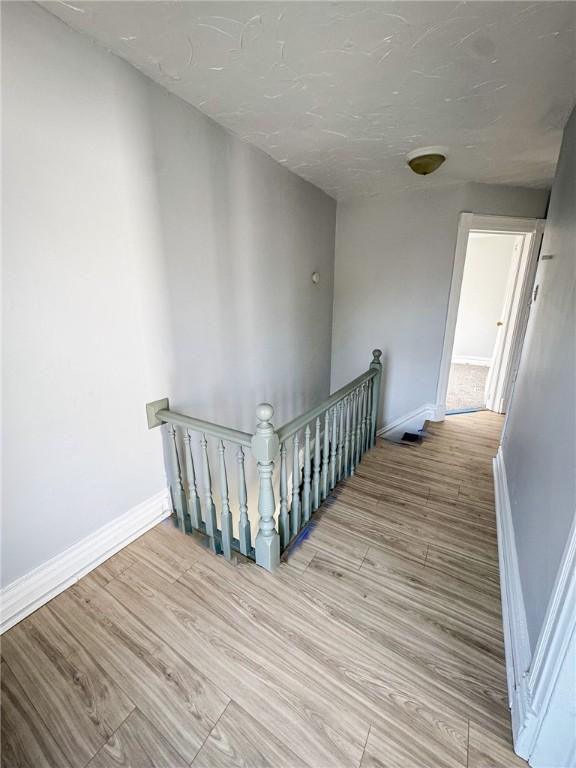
(515, 314)
(29, 592)
(497, 376)
(532, 678)
(414, 420)
(435, 412)
(471, 222)
(552, 646)
(557, 618)
(464, 224)
(471, 360)
(516, 638)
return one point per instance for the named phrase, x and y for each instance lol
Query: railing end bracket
(152, 409)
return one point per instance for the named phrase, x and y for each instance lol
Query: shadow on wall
(240, 239)
(149, 254)
(243, 323)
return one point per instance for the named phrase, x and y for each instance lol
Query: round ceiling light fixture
(426, 160)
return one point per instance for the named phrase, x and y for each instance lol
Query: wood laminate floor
(378, 642)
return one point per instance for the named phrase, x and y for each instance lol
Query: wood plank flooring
(377, 644)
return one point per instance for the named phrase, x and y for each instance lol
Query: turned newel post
(376, 384)
(265, 446)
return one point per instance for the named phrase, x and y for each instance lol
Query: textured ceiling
(340, 92)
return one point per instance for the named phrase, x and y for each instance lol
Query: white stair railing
(317, 450)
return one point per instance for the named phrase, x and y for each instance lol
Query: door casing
(533, 230)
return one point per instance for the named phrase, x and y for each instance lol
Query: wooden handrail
(166, 416)
(296, 424)
(349, 430)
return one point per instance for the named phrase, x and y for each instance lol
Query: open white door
(516, 309)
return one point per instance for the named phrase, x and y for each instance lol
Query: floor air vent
(411, 437)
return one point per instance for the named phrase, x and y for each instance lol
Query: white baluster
(244, 534)
(265, 446)
(194, 506)
(358, 425)
(348, 406)
(317, 462)
(357, 430)
(307, 476)
(283, 517)
(179, 493)
(367, 439)
(295, 507)
(339, 455)
(333, 448)
(353, 405)
(363, 419)
(225, 514)
(325, 455)
(210, 509)
(376, 383)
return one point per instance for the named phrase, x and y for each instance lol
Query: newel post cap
(265, 443)
(376, 355)
(264, 412)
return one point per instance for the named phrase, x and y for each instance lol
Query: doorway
(494, 268)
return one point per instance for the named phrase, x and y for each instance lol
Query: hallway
(377, 643)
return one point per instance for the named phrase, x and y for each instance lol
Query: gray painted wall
(539, 441)
(394, 259)
(393, 264)
(146, 253)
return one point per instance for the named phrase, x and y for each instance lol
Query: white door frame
(473, 222)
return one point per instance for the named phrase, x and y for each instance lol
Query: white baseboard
(29, 592)
(436, 412)
(533, 677)
(471, 360)
(516, 638)
(550, 726)
(412, 421)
